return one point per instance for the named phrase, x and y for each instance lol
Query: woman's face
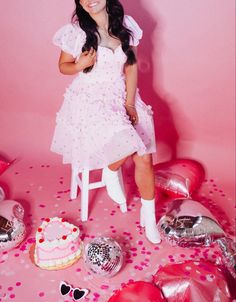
(93, 6)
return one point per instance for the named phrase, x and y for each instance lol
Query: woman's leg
(115, 166)
(144, 178)
(111, 178)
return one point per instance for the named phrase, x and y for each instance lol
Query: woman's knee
(143, 162)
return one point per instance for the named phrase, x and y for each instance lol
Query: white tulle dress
(92, 127)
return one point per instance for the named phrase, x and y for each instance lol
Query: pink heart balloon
(10, 209)
(2, 194)
(193, 281)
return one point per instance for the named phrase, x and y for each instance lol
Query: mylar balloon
(2, 194)
(4, 165)
(12, 227)
(179, 178)
(192, 281)
(228, 249)
(188, 223)
(138, 291)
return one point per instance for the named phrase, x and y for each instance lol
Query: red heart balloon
(138, 291)
(4, 165)
(179, 178)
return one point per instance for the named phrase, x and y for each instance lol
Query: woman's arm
(69, 66)
(131, 79)
(131, 76)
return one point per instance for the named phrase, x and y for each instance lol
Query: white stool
(84, 185)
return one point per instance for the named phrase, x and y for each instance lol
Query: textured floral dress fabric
(92, 127)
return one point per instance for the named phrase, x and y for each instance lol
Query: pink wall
(186, 73)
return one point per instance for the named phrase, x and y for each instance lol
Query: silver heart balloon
(188, 223)
(228, 249)
(6, 229)
(12, 227)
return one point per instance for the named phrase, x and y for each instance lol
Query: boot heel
(123, 207)
(142, 219)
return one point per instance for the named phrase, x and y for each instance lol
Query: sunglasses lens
(65, 289)
(78, 294)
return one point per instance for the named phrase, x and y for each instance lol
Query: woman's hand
(132, 113)
(68, 64)
(86, 59)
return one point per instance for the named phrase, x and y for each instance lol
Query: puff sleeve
(132, 25)
(70, 38)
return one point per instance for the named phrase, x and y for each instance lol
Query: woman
(103, 120)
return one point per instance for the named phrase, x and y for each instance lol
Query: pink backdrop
(187, 74)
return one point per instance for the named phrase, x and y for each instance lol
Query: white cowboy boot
(114, 187)
(148, 220)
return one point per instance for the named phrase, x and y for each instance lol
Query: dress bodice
(109, 67)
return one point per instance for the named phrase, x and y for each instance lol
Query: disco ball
(103, 256)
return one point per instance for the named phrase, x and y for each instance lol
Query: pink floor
(43, 190)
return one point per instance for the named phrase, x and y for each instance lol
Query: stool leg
(123, 207)
(84, 195)
(74, 184)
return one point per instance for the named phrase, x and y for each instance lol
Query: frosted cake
(57, 244)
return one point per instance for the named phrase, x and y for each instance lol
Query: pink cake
(57, 244)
